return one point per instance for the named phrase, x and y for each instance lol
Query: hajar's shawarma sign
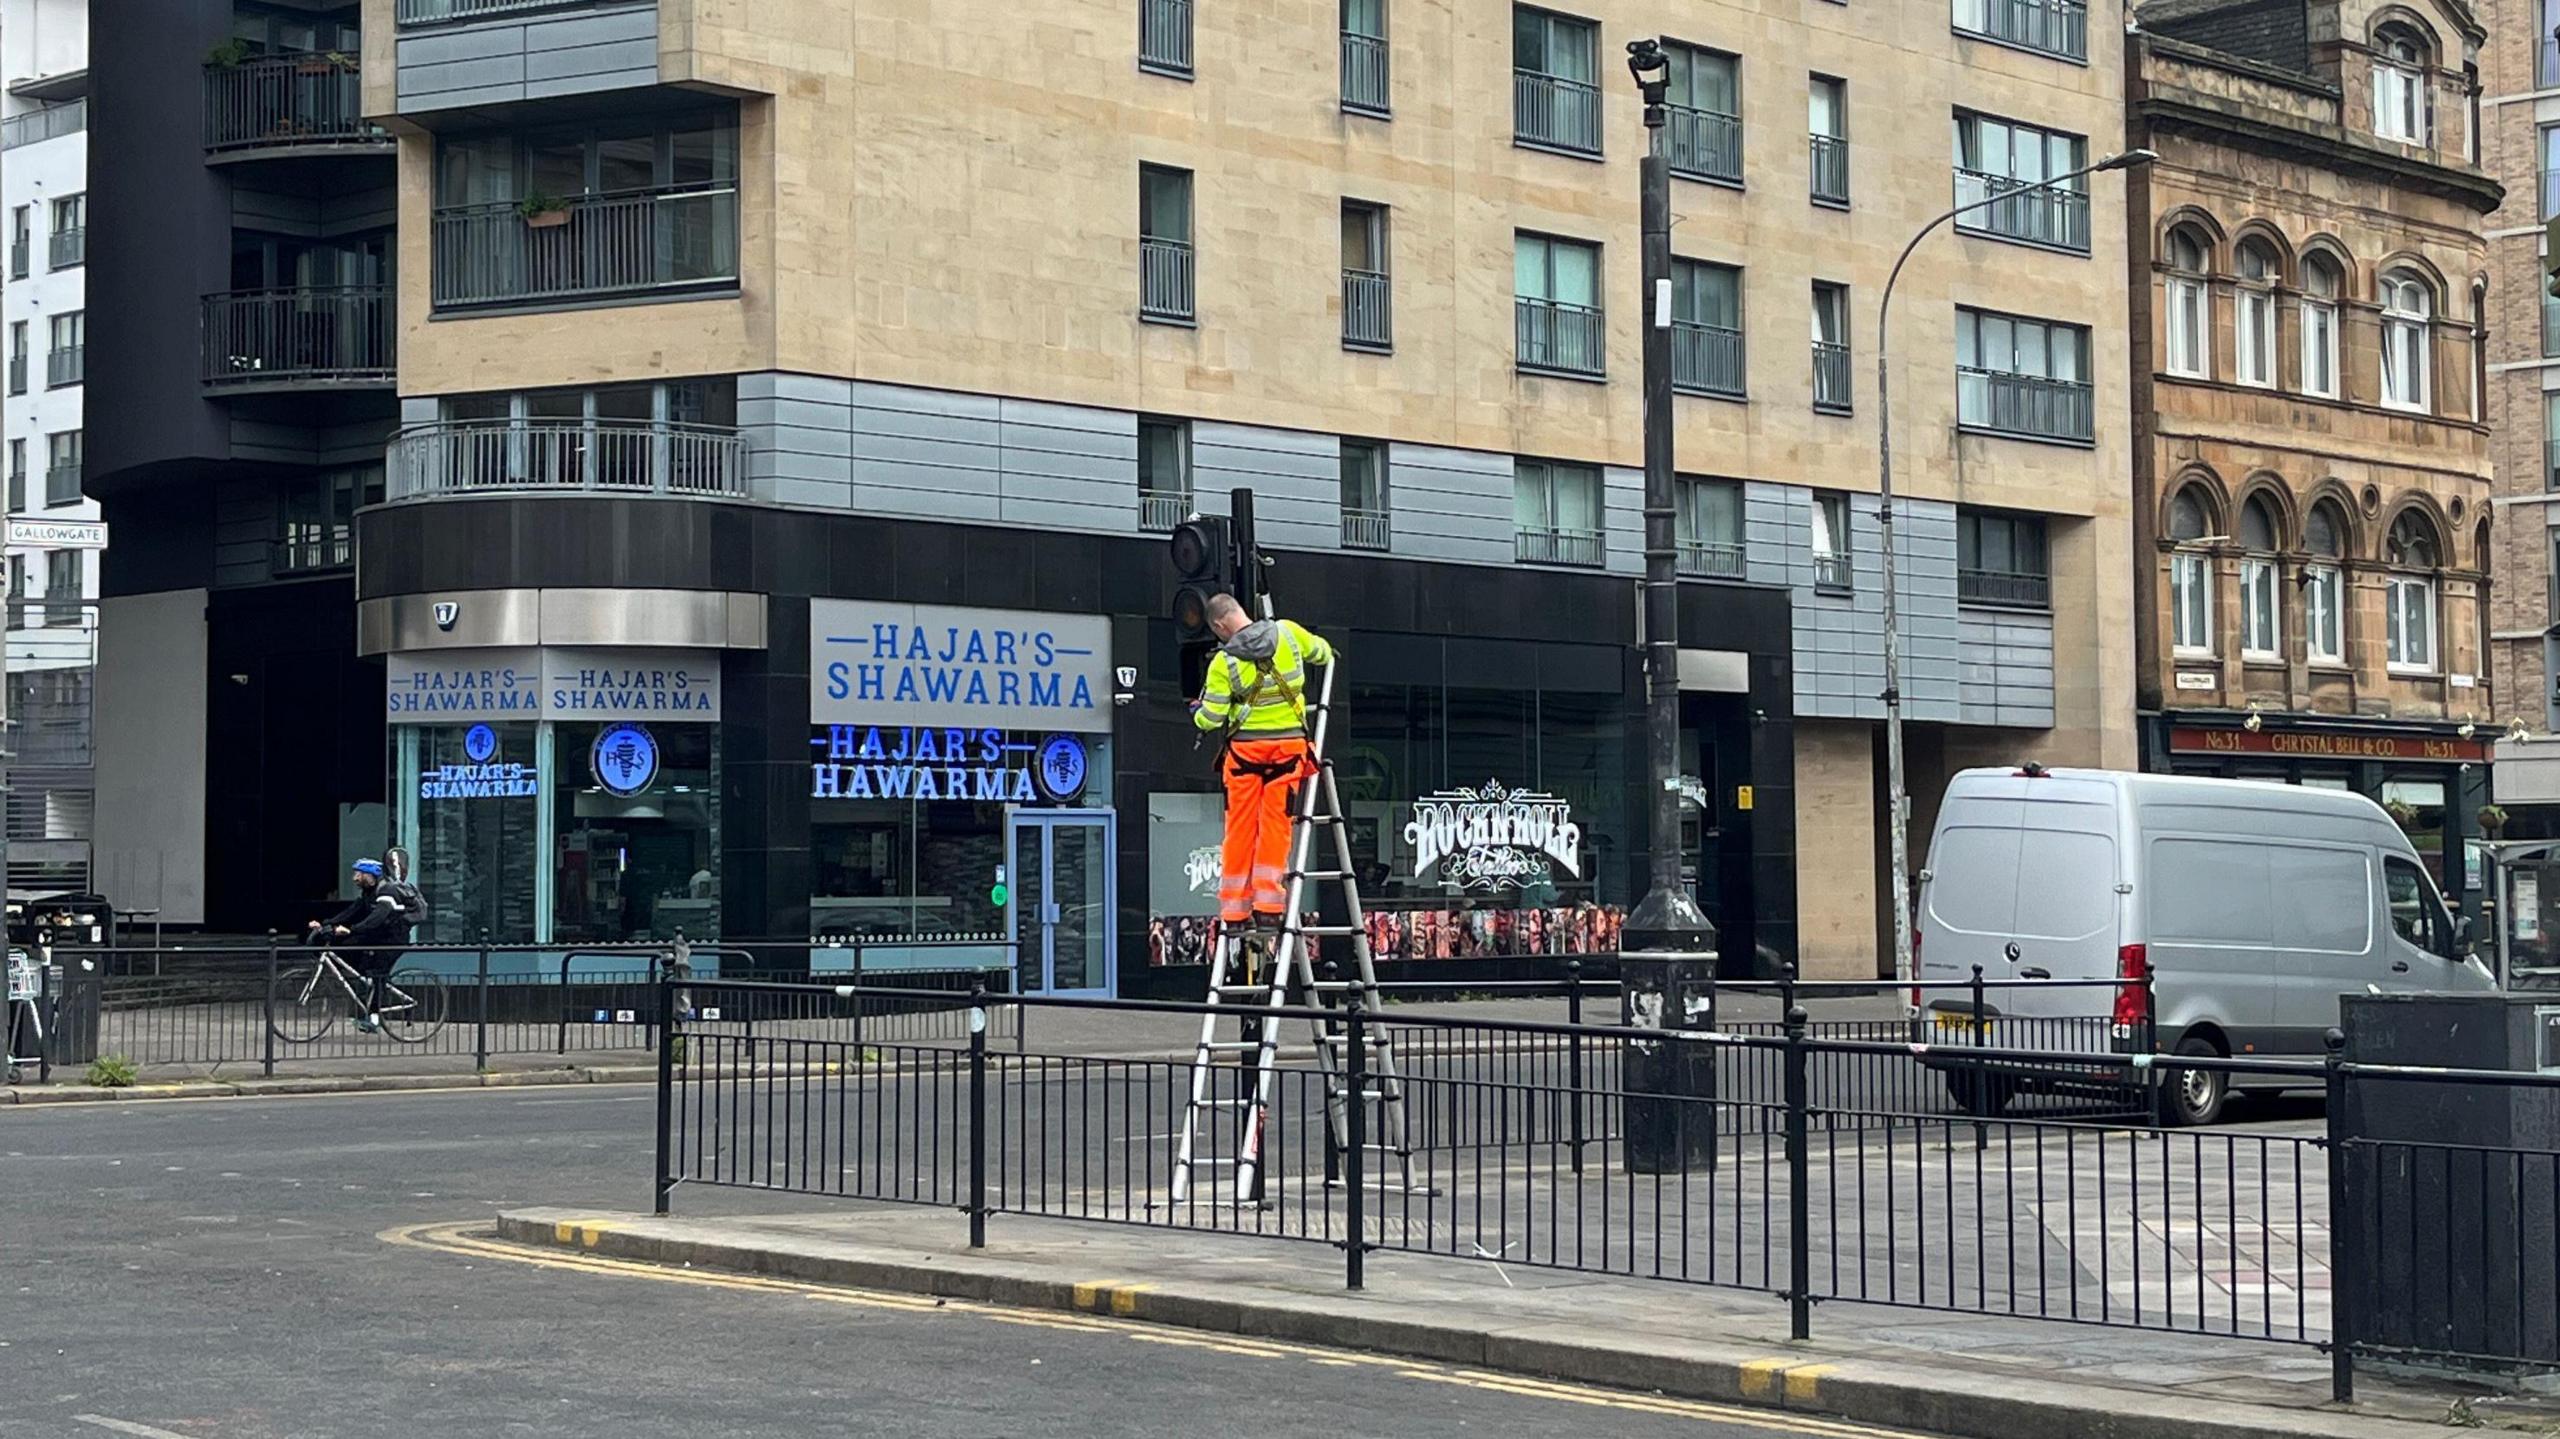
(1492, 838)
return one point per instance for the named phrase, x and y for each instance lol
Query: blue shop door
(1064, 909)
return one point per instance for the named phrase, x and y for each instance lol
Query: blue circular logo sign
(1061, 767)
(480, 742)
(625, 760)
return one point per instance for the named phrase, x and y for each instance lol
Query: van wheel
(1982, 1095)
(2194, 1096)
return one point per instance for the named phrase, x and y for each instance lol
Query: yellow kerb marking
(1760, 1377)
(1804, 1382)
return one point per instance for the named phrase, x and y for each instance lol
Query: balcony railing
(66, 248)
(62, 485)
(308, 99)
(2015, 589)
(21, 252)
(1831, 377)
(431, 12)
(1557, 336)
(17, 374)
(37, 126)
(1556, 547)
(313, 554)
(1551, 110)
(1364, 73)
(2550, 193)
(1164, 35)
(65, 366)
(1834, 572)
(1830, 161)
(618, 243)
(2052, 27)
(1704, 143)
(2551, 464)
(300, 336)
(1710, 560)
(1160, 510)
(1367, 323)
(1164, 280)
(2037, 214)
(2546, 72)
(1706, 359)
(2026, 405)
(461, 457)
(1364, 529)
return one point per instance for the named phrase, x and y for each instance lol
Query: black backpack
(412, 905)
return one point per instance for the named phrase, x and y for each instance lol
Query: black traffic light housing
(1203, 565)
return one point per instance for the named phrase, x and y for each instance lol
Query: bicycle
(302, 1008)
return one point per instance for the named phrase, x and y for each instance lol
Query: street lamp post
(1897, 802)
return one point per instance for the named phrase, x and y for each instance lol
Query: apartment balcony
(318, 552)
(658, 240)
(441, 12)
(2005, 589)
(2026, 406)
(67, 248)
(1831, 378)
(1559, 338)
(300, 338)
(1709, 560)
(1706, 359)
(1365, 529)
(34, 127)
(1364, 73)
(1164, 36)
(1557, 547)
(1160, 510)
(1829, 158)
(2049, 27)
(288, 105)
(66, 366)
(1704, 144)
(2052, 216)
(1165, 281)
(1555, 113)
(1367, 323)
(629, 457)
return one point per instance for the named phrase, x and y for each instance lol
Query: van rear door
(2022, 881)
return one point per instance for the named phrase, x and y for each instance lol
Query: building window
(1165, 277)
(2261, 609)
(69, 244)
(1556, 513)
(1707, 524)
(1704, 114)
(1364, 57)
(62, 468)
(2254, 338)
(1555, 102)
(1164, 473)
(316, 520)
(2013, 167)
(2051, 27)
(1827, 118)
(17, 476)
(1364, 495)
(2406, 306)
(2324, 585)
(2320, 291)
(1831, 383)
(2399, 85)
(2549, 136)
(17, 357)
(1556, 302)
(677, 437)
(1164, 37)
(1833, 570)
(63, 587)
(2546, 68)
(1706, 328)
(2409, 594)
(66, 360)
(1367, 318)
(22, 242)
(2189, 313)
(2028, 378)
(2001, 560)
(2190, 576)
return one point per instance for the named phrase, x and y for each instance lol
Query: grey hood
(1256, 643)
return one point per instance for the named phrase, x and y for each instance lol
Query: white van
(2252, 905)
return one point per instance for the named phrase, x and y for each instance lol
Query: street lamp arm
(1884, 308)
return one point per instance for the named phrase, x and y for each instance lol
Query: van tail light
(2133, 990)
(1915, 971)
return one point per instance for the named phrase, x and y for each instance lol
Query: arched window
(2321, 286)
(2189, 315)
(2190, 575)
(2260, 605)
(2324, 538)
(2414, 553)
(2254, 340)
(2407, 306)
(2399, 85)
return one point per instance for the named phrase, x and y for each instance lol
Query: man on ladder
(1255, 696)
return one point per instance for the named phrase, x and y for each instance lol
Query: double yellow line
(461, 1239)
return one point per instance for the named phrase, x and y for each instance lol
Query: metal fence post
(1799, 1177)
(857, 999)
(1356, 1136)
(480, 1023)
(1573, 1049)
(1986, 1097)
(669, 1036)
(267, 1013)
(2344, 1277)
(978, 1113)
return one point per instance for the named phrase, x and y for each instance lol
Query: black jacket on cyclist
(375, 920)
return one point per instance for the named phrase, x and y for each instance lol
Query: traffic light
(1204, 564)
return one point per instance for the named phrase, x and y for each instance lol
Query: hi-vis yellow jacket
(1258, 681)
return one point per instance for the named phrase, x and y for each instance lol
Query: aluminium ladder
(1239, 986)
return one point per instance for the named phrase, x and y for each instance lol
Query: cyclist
(375, 927)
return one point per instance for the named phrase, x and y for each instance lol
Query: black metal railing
(430, 12)
(2015, 589)
(67, 365)
(2026, 405)
(1364, 73)
(1165, 280)
(67, 247)
(17, 374)
(287, 100)
(21, 257)
(2038, 214)
(1835, 572)
(1831, 386)
(1555, 335)
(1164, 35)
(1365, 529)
(1828, 158)
(342, 335)
(62, 484)
(1706, 359)
(313, 554)
(1706, 144)
(1711, 559)
(2053, 27)
(625, 242)
(1367, 321)
(1556, 546)
(50, 123)
(1553, 111)
(1160, 510)
(460, 457)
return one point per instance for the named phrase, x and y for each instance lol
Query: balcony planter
(543, 212)
(230, 54)
(328, 63)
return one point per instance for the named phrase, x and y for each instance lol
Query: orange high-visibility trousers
(1261, 776)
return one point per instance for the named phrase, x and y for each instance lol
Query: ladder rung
(1213, 1161)
(1234, 1046)
(1321, 873)
(1224, 1103)
(1364, 1094)
(1372, 1041)
(1343, 930)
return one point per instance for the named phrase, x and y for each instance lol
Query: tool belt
(1269, 772)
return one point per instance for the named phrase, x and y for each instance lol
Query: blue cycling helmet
(369, 866)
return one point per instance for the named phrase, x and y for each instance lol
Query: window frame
(1688, 513)
(1377, 484)
(1972, 334)
(2406, 77)
(1971, 130)
(2419, 326)
(2318, 324)
(2187, 311)
(2022, 532)
(1542, 477)
(1835, 542)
